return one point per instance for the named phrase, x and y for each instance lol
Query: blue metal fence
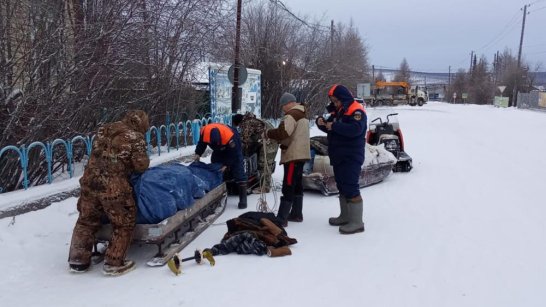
(169, 130)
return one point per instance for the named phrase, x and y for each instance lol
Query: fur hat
(287, 98)
(137, 120)
(236, 119)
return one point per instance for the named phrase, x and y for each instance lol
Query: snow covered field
(466, 227)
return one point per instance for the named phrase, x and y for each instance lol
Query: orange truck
(394, 93)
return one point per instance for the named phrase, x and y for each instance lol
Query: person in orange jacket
(346, 129)
(226, 149)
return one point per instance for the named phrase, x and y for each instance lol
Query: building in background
(220, 91)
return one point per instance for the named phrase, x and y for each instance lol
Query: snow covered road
(466, 227)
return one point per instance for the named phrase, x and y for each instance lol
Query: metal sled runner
(174, 233)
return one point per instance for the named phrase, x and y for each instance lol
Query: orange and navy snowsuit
(346, 143)
(226, 148)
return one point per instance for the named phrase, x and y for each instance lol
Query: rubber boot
(343, 217)
(296, 214)
(242, 196)
(284, 210)
(355, 224)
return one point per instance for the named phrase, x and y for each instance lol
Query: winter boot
(242, 196)
(296, 214)
(355, 206)
(115, 270)
(343, 217)
(279, 251)
(79, 268)
(284, 210)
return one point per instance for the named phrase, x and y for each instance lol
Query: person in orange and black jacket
(293, 135)
(346, 129)
(226, 149)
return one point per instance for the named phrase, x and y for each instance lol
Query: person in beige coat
(293, 136)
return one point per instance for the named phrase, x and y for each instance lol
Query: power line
(540, 8)
(537, 52)
(534, 45)
(511, 25)
(283, 7)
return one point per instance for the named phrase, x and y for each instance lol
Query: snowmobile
(318, 174)
(390, 135)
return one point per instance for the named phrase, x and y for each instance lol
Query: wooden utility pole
(449, 77)
(471, 60)
(332, 38)
(515, 91)
(373, 73)
(235, 99)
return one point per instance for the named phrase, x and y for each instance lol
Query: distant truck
(392, 93)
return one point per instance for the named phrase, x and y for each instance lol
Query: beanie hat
(237, 119)
(341, 93)
(215, 138)
(287, 98)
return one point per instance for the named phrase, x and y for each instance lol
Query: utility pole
(471, 60)
(332, 38)
(373, 73)
(515, 91)
(449, 77)
(235, 105)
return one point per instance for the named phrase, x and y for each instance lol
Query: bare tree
(380, 76)
(67, 66)
(481, 87)
(298, 55)
(459, 86)
(403, 73)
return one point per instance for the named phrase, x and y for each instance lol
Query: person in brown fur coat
(119, 149)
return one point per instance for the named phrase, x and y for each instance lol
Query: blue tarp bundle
(163, 190)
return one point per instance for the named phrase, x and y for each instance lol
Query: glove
(330, 107)
(320, 121)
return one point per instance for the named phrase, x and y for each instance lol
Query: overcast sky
(434, 34)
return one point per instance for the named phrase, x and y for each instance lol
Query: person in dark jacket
(119, 149)
(226, 149)
(346, 130)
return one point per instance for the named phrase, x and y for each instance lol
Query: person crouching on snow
(226, 149)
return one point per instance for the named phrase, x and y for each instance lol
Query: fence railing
(533, 100)
(188, 130)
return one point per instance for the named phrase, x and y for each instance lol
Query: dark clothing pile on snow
(253, 233)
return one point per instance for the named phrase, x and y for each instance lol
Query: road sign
(243, 74)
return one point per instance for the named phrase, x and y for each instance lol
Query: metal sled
(174, 233)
